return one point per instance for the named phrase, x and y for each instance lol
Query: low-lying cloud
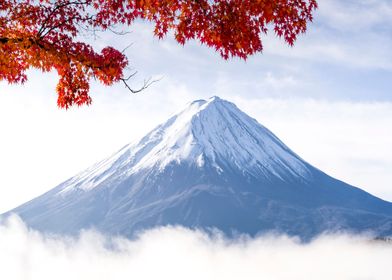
(179, 253)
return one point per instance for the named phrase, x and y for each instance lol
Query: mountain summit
(210, 166)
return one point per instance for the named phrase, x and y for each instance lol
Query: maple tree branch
(49, 29)
(56, 9)
(44, 34)
(5, 40)
(147, 83)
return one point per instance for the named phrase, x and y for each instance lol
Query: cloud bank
(178, 253)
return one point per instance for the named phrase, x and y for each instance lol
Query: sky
(328, 98)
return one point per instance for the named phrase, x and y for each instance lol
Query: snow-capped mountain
(209, 166)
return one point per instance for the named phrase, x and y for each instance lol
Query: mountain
(210, 166)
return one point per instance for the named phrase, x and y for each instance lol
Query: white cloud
(351, 34)
(355, 16)
(367, 50)
(179, 253)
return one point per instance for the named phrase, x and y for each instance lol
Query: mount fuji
(210, 167)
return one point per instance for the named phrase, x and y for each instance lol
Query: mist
(179, 253)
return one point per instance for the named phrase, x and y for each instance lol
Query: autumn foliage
(43, 34)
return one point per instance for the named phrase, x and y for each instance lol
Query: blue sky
(329, 98)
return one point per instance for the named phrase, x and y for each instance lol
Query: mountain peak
(209, 100)
(217, 133)
(216, 99)
(201, 104)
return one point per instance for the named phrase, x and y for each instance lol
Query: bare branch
(118, 32)
(146, 83)
(127, 47)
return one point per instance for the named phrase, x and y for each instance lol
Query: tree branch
(146, 83)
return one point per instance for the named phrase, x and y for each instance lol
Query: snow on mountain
(191, 136)
(209, 166)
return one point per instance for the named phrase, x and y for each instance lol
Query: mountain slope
(209, 166)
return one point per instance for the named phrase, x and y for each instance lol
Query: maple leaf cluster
(43, 34)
